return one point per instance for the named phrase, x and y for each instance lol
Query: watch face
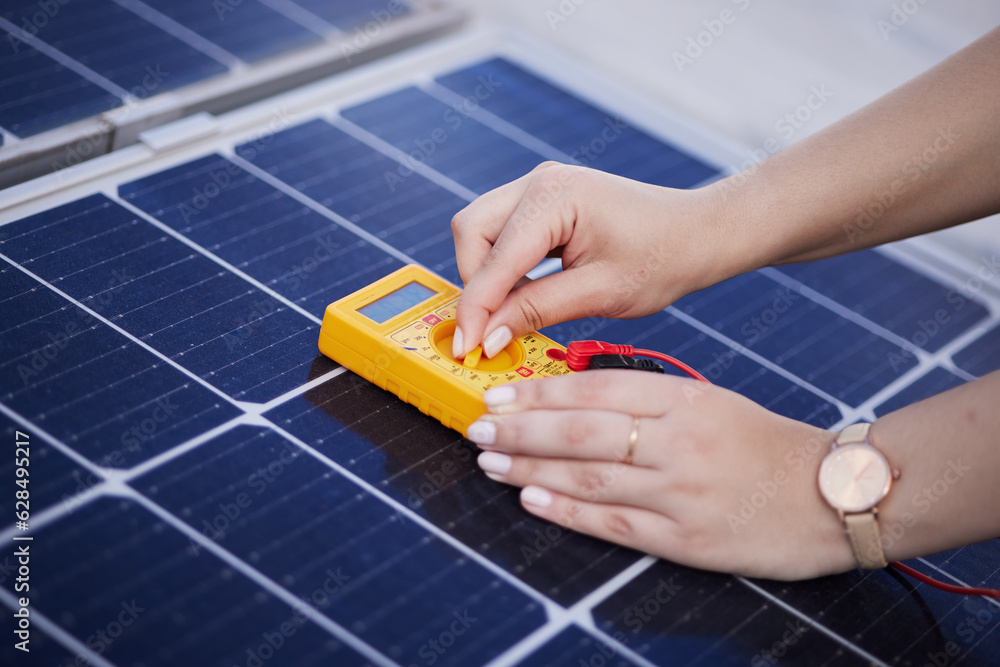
(854, 478)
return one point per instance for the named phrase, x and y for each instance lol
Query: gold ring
(633, 437)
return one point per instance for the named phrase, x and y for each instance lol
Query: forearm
(924, 157)
(947, 449)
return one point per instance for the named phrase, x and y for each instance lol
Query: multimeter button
(555, 353)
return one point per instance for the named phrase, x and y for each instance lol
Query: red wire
(673, 362)
(961, 590)
(578, 356)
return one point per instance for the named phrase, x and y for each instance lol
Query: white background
(765, 61)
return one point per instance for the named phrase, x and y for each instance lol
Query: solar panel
(70, 62)
(208, 489)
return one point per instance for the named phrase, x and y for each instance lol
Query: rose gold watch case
(831, 480)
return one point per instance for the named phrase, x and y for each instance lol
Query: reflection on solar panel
(201, 472)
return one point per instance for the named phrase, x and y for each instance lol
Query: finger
(593, 481)
(640, 529)
(559, 297)
(631, 392)
(527, 237)
(477, 226)
(593, 435)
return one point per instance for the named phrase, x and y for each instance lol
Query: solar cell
(573, 647)
(249, 30)
(40, 94)
(431, 469)
(349, 554)
(594, 137)
(234, 336)
(119, 45)
(357, 14)
(90, 386)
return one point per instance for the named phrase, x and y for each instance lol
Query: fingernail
(499, 397)
(494, 462)
(535, 495)
(458, 343)
(497, 341)
(482, 432)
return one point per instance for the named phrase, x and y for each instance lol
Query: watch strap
(854, 433)
(862, 531)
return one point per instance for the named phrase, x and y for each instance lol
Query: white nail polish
(537, 496)
(494, 462)
(457, 343)
(482, 432)
(496, 341)
(499, 397)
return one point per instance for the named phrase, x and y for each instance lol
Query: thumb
(566, 295)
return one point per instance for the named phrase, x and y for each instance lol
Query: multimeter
(397, 333)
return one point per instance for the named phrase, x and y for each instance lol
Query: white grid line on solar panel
(69, 63)
(553, 610)
(302, 198)
(496, 123)
(57, 633)
(811, 621)
(314, 615)
(183, 33)
(993, 601)
(277, 539)
(404, 160)
(849, 314)
(132, 338)
(579, 613)
(216, 276)
(303, 17)
(497, 537)
(170, 231)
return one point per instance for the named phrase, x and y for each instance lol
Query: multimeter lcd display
(392, 304)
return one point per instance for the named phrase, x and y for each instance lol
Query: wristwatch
(854, 478)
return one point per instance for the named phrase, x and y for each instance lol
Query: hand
(628, 249)
(717, 482)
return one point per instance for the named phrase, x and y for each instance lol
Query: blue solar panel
(827, 350)
(54, 477)
(364, 186)
(982, 355)
(574, 647)
(136, 592)
(431, 470)
(441, 137)
(591, 136)
(90, 386)
(908, 304)
(344, 550)
(248, 30)
(234, 336)
(285, 245)
(39, 94)
(119, 45)
(200, 286)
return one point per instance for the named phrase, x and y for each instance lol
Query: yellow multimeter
(397, 334)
